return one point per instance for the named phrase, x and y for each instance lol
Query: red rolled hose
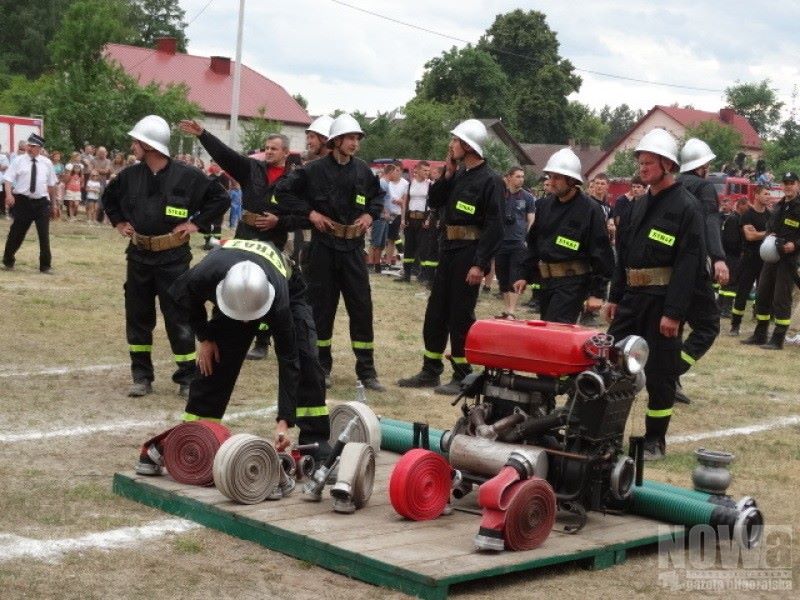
(419, 486)
(189, 451)
(523, 512)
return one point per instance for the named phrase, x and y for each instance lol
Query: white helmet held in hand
(694, 154)
(321, 126)
(473, 133)
(153, 131)
(342, 125)
(245, 294)
(769, 249)
(565, 162)
(661, 142)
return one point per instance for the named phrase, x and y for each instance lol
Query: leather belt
(651, 276)
(564, 269)
(417, 215)
(347, 232)
(249, 218)
(463, 232)
(158, 243)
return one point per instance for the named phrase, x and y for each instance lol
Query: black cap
(790, 177)
(35, 140)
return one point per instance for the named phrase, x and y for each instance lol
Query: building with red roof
(210, 84)
(677, 121)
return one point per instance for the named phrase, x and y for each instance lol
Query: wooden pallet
(377, 546)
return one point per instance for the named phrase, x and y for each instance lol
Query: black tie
(33, 175)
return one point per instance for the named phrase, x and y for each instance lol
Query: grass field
(59, 488)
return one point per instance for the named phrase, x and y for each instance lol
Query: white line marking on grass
(13, 546)
(67, 370)
(27, 436)
(745, 430)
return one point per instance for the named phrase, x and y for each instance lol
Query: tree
(725, 141)
(624, 164)
(584, 127)
(758, 103)
(540, 80)
(783, 153)
(301, 100)
(471, 78)
(152, 19)
(619, 120)
(256, 130)
(87, 26)
(498, 156)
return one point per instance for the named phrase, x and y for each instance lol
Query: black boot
(736, 321)
(776, 341)
(759, 335)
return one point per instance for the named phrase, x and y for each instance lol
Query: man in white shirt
(394, 205)
(4, 164)
(30, 184)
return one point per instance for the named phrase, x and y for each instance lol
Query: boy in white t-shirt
(394, 205)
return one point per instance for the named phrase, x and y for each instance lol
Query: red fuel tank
(539, 347)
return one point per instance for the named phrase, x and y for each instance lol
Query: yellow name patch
(661, 237)
(791, 223)
(464, 207)
(567, 243)
(263, 250)
(174, 211)
(361, 200)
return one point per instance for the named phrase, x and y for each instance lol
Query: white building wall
(220, 127)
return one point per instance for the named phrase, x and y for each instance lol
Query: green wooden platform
(377, 546)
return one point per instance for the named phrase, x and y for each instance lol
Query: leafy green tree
(498, 156)
(619, 120)
(471, 78)
(301, 100)
(624, 164)
(758, 103)
(87, 26)
(152, 19)
(26, 29)
(256, 130)
(540, 80)
(783, 153)
(584, 127)
(725, 141)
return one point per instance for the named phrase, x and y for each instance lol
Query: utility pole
(237, 76)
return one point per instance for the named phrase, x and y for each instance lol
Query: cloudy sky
(338, 57)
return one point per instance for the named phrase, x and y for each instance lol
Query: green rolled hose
(673, 508)
(398, 436)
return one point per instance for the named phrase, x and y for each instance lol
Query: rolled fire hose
(246, 468)
(356, 478)
(366, 430)
(743, 503)
(517, 514)
(190, 448)
(419, 486)
(398, 436)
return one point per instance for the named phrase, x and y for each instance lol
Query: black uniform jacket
(566, 231)
(471, 197)
(258, 195)
(199, 285)
(785, 223)
(340, 192)
(706, 194)
(664, 230)
(155, 203)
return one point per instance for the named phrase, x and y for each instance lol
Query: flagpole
(237, 76)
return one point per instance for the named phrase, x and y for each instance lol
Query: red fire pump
(510, 407)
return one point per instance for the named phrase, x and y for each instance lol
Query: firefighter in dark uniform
(754, 230)
(340, 196)
(257, 179)
(568, 245)
(660, 256)
(158, 203)
(248, 282)
(732, 244)
(775, 285)
(703, 316)
(468, 199)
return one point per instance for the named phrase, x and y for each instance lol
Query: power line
(517, 55)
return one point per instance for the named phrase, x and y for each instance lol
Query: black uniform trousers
(561, 298)
(509, 265)
(428, 252)
(411, 244)
(728, 291)
(640, 314)
(749, 270)
(209, 395)
(331, 273)
(774, 295)
(450, 311)
(143, 284)
(26, 211)
(703, 318)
